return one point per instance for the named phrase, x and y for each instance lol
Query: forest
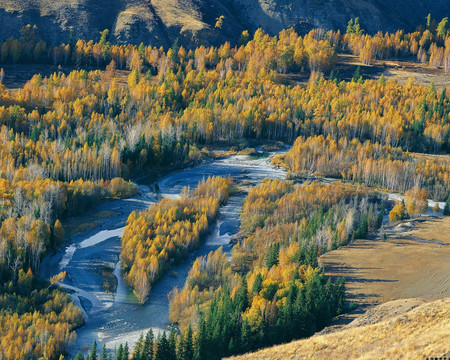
(287, 227)
(75, 138)
(272, 290)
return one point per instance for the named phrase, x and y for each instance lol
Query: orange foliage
(165, 233)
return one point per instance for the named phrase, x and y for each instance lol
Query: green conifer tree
(257, 284)
(103, 355)
(147, 351)
(93, 355)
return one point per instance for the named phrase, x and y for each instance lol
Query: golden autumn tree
(416, 201)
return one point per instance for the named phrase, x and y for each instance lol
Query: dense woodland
(272, 291)
(69, 140)
(35, 321)
(428, 44)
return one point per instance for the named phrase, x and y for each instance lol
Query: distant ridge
(195, 22)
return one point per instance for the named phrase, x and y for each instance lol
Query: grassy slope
(378, 271)
(418, 333)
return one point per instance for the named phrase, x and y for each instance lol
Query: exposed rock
(160, 22)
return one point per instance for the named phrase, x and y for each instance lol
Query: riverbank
(117, 316)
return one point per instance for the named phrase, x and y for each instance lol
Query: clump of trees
(398, 212)
(167, 232)
(415, 202)
(429, 45)
(35, 321)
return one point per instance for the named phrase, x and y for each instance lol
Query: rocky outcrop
(193, 22)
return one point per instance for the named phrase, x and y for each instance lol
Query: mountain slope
(417, 332)
(160, 22)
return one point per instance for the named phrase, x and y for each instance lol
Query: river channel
(117, 317)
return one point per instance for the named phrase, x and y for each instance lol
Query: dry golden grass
(378, 271)
(398, 70)
(423, 74)
(433, 229)
(439, 157)
(178, 13)
(419, 333)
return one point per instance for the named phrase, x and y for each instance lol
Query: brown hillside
(412, 262)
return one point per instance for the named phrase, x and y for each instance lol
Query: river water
(114, 318)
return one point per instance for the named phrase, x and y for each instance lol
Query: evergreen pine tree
(245, 336)
(103, 355)
(201, 341)
(188, 345)
(241, 297)
(147, 351)
(257, 284)
(288, 316)
(300, 314)
(357, 75)
(137, 353)
(172, 355)
(447, 207)
(181, 347)
(93, 355)
(162, 348)
(272, 255)
(363, 228)
(340, 295)
(119, 355)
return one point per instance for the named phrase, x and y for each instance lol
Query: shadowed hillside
(195, 22)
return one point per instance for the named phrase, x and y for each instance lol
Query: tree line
(428, 45)
(371, 163)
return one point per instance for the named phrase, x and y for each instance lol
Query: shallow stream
(117, 317)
